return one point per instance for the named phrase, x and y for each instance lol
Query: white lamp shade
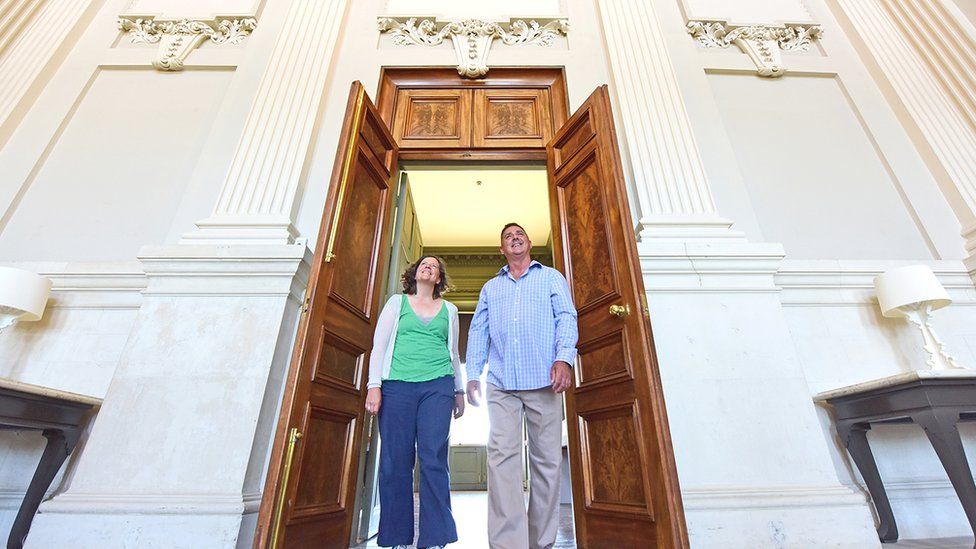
(909, 286)
(23, 294)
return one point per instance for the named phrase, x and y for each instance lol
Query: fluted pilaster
(258, 195)
(672, 189)
(932, 75)
(30, 32)
(14, 17)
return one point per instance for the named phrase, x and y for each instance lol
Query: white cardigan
(385, 336)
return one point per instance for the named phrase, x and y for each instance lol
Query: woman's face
(429, 270)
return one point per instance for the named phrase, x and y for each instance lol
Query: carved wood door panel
(309, 495)
(433, 118)
(625, 485)
(511, 118)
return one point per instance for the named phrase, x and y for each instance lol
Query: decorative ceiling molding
(178, 37)
(472, 37)
(762, 43)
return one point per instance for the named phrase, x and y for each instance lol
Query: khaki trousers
(509, 526)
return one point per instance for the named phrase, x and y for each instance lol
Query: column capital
(686, 227)
(242, 229)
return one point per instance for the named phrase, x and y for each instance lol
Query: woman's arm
(455, 355)
(382, 338)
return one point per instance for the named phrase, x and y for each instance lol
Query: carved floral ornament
(177, 38)
(762, 43)
(472, 37)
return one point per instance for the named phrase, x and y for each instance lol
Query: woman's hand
(373, 399)
(458, 405)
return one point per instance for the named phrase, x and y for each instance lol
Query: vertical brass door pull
(293, 435)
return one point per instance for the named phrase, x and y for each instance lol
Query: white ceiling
(454, 210)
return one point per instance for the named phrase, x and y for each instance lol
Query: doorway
(455, 210)
(624, 484)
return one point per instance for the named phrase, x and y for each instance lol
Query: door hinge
(307, 304)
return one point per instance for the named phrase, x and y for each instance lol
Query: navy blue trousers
(415, 420)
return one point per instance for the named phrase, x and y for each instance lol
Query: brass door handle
(620, 310)
(293, 435)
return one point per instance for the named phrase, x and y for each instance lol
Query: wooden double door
(625, 487)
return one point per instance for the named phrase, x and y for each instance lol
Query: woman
(414, 384)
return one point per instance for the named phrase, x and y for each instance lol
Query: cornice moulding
(242, 270)
(710, 498)
(95, 285)
(153, 504)
(762, 43)
(176, 38)
(851, 282)
(472, 38)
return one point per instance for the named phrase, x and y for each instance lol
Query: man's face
(515, 243)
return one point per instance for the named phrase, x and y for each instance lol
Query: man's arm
(564, 312)
(478, 338)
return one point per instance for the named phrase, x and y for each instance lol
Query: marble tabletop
(7, 383)
(890, 381)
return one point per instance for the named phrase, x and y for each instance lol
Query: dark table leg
(59, 445)
(940, 426)
(854, 437)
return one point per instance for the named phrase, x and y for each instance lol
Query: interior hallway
(471, 515)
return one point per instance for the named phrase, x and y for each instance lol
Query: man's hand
(373, 398)
(458, 405)
(474, 392)
(560, 376)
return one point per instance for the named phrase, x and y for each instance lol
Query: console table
(60, 416)
(936, 401)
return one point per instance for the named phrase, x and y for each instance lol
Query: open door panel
(310, 491)
(625, 485)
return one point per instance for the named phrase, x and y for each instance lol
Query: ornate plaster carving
(472, 38)
(762, 43)
(177, 38)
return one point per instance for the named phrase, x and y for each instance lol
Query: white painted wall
(841, 339)
(113, 175)
(748, 11)
(815, 179)
(114, 155)
(793, 161)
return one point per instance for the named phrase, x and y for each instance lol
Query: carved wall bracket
(177, 38)
(762, 43)
(472, 38)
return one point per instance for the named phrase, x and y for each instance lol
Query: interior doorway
(455, 210)
(624, 482)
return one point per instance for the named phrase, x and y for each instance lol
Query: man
(525, 328)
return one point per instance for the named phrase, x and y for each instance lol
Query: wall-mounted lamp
(23, 295)
(914, 292)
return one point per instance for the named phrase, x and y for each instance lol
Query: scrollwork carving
(762, 43)
(472, 38)
(177, 38)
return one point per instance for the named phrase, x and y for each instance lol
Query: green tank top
(420, 351)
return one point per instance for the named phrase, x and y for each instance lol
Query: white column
(30, 32)
(672, 191)
(257, 200)
(924, 71)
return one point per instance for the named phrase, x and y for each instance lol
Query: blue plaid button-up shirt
(521, 327)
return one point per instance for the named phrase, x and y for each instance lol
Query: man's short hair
(501, 236)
